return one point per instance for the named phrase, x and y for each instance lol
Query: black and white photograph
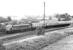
(36, 24)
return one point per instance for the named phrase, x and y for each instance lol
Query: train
(33, 26)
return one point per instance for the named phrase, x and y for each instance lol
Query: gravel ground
(64, 44)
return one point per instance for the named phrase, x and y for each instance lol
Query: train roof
(59, 22)
(49, 23)
(21, 25)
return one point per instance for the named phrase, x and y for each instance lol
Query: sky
(18, 9)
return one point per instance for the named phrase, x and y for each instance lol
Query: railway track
(24, 35)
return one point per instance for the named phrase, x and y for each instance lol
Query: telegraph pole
(44, 14)
(41, 30)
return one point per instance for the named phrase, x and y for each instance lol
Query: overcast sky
(22, 8)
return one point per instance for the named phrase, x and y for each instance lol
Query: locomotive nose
(8, 27)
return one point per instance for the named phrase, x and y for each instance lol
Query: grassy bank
(38, 42)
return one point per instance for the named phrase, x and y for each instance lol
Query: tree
(3, 20)
(50, 18)
(32, 19)
(63, 17)
(9, 18)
